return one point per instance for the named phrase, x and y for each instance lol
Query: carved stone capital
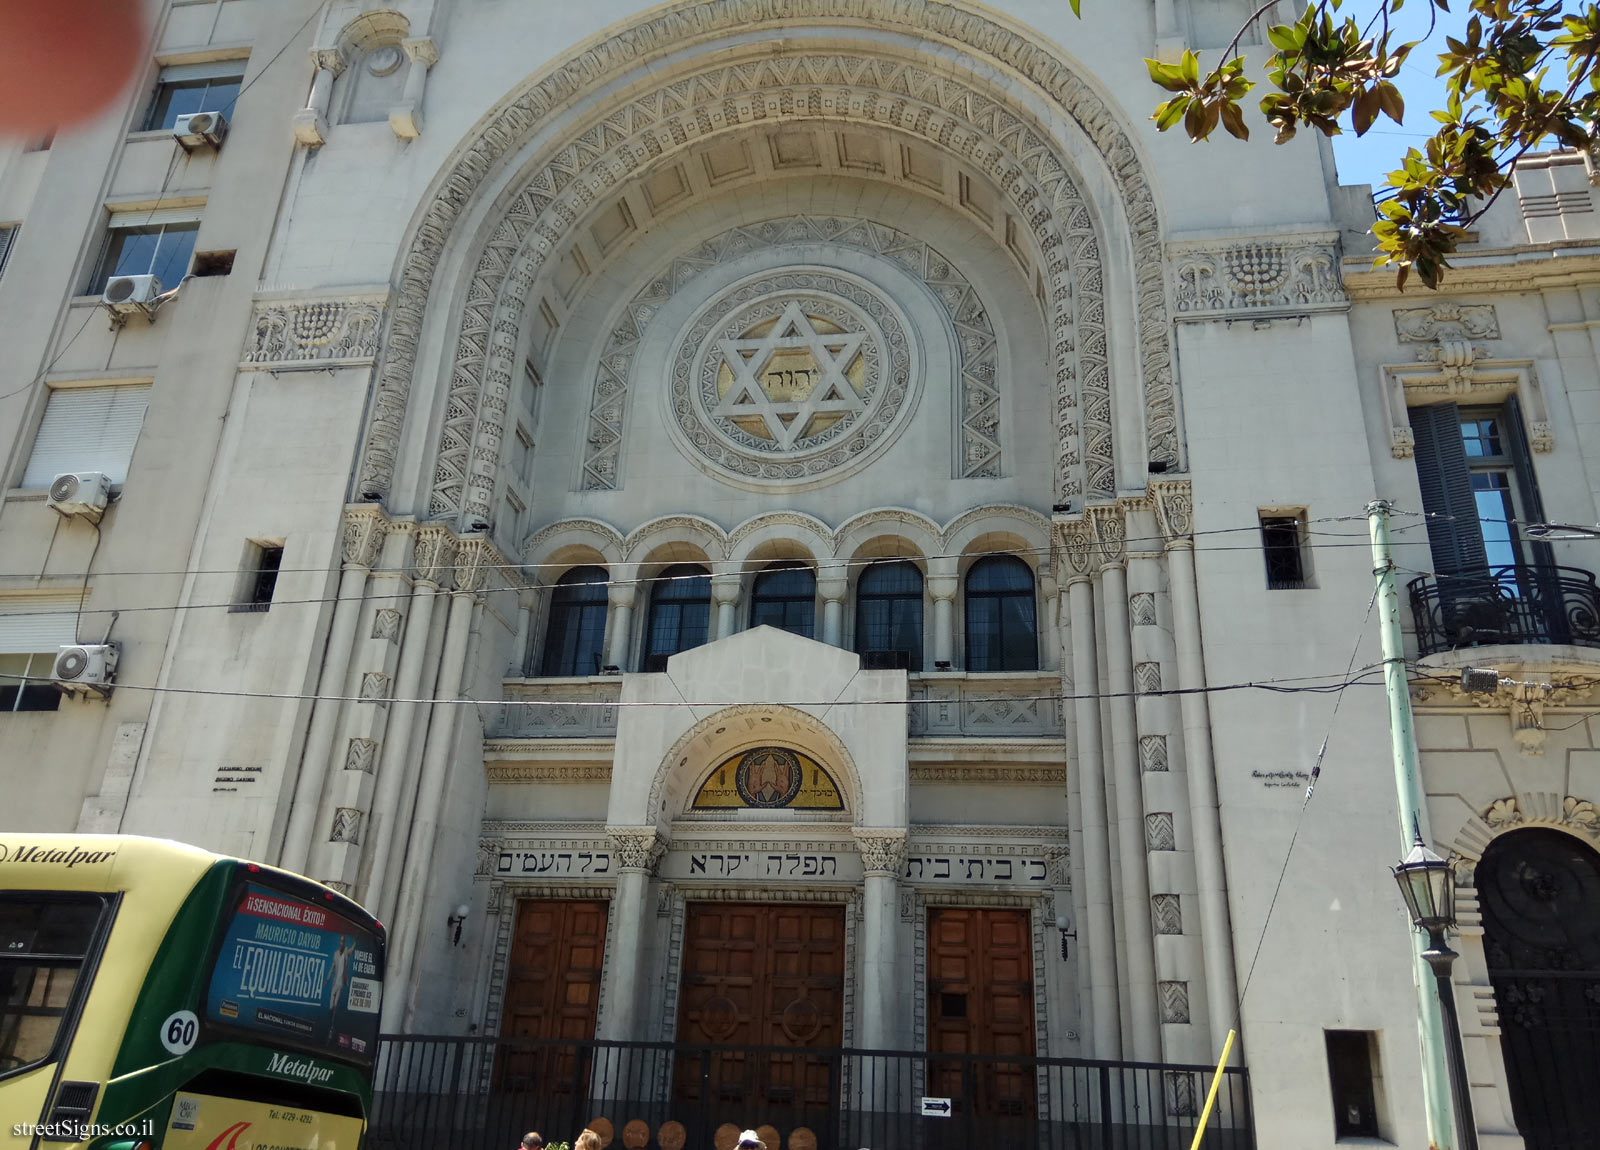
(433, 555)
(329, 60)
(421, 50)
(1110, 535)
(473, 559)
(1075, 544)
(364, 528)
(636, 848)
(882, 851)
(488, 856)
(1174, 505)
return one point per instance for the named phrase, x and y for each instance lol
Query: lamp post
(1428, 884)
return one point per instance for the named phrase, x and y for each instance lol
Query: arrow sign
(936, 1108)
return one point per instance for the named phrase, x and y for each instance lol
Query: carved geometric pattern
(1174, 1001)
(313, 334)
(1142, 609)
(1159, 833)
(980, 449)
(386, 624)
(1147, 678)
(375, 688)
(596, 159)
(1153, 753)
(361, 755)
(1182, 1094)
(343, 888)
(1166, 912)
(346, 826)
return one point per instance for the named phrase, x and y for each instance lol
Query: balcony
(1506, 606)
(1021, 704)
(555, 709)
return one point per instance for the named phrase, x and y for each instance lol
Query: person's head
(532, 1141)
(588, 1140)
(750, 1140)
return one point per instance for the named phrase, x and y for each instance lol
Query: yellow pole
(1211, 1098)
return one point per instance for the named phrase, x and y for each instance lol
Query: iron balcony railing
(471, 1093)
(1520, 604)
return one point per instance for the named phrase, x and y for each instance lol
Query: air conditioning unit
(886, 660)
(86, 668)
(85, 493)
(125, 295)
(200, 129)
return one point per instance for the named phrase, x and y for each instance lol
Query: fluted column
(943, 584)
(1174, 508)
(362, 535)
(883, 857)
(407, 926)
(1097, 933)
(431, 558)
(637, 851)
(621, 596)
(1141, 972)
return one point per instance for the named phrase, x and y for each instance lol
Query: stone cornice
(1534, 267)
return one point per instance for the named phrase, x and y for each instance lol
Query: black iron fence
(1521, 604)
(484, 1093)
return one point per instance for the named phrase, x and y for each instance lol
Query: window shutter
(1442, 472)
(37, 623)
(1531, 506)
(87, 429)
(153, 217)
(7, 235)
(210, 70)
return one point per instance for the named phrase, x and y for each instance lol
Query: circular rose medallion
(768, 777)
(801, 1020)
(792, 378)
(718, 1018)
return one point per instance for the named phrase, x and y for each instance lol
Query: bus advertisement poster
(200, 1122)
(298, 971)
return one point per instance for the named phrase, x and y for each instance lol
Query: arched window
(680, 613)
(785, 596)
(889, 616)
(1002, 632)
(574, 643)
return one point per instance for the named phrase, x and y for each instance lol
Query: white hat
(751, 1138)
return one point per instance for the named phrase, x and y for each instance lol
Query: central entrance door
(980, 1001)
(552, 992)
(766, 976)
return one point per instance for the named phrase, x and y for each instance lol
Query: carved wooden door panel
(980, 1001)
(552, 988)
(763, 976)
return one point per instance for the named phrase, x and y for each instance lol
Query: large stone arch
(1031, 163)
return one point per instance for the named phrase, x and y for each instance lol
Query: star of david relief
(793, 380)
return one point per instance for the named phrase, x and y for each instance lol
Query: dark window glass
(785, 596)
(1280, 543)
(176, 98)
(1002, 630)
(266, 581)
(44, 939)
(889, 611)
(574, 643)
(680, 611)
(25, 683)
(1350, 1073)
(162, 251)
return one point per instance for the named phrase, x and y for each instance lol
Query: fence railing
(477, 1093)
(1513, 604)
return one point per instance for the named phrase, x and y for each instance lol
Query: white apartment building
(747, 522)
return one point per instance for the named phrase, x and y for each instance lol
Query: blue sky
(1369, 159)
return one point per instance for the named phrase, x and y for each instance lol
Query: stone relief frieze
(686, 23)
(313, 333)
(1446, 321)
(977, 399)
(1258, 277)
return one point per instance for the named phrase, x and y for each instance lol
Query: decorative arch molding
(739, 728)
(1576, 816)
(1031, 167)
(542, 547)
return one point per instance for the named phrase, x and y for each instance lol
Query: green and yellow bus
(154, 996)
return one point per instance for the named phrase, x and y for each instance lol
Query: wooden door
(763, 976)
(552, 989)
(980, 1001)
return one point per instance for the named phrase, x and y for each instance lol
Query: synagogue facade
(811, 524)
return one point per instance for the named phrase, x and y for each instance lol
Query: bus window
(44, 939)
(294, 972)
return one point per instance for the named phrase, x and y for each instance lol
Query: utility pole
(1408, 790)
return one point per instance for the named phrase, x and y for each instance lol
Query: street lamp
(1428, 884)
